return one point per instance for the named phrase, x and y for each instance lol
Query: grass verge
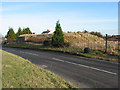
(97, 54)
(20, 73)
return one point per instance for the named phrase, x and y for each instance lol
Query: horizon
(73, 16)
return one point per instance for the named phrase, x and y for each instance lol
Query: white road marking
(29, 53)
(13, 50)
(85, 66)
(100, 60)
(74, 64)
(58, 59)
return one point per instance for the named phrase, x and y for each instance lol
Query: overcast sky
(73, 16)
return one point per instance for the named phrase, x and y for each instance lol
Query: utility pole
(106, 44)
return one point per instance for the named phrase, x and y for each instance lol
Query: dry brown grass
(80, 41)
(38, 38)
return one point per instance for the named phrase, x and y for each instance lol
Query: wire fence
(82, 41)
(112, 46)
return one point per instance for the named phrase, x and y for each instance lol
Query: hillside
(20, 73)
(79, 41)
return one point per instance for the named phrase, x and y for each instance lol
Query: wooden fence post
(106, 44)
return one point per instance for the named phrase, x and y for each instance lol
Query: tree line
(57, 38)
(93, 33)
(12, 35)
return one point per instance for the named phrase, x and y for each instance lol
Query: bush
(86, 50)
(96, 33)
(47, 43)
(69, 32)
(78, 32)
(85, 31)
(66, 44)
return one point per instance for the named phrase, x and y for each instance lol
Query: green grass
(97, 54)
(20, 73)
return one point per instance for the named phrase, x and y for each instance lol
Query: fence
(83, 40)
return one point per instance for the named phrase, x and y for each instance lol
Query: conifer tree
(58, 37)
(11, 34)
(26, 31)
(19, 32)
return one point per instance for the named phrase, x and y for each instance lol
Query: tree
(11, 34)
(26, 31)
(19, 32)
(85, 31)
(58, 38)
(93, 33)
(96, 33)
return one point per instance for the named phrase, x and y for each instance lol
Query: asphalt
(80, 71)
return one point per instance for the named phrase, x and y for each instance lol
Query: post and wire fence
(104, 44)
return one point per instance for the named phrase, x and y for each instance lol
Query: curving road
(80, 71)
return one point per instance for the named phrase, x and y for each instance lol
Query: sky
(73, 16)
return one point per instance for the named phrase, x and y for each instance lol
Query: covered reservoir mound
(82, 40)
(77, 40)
(35, 38)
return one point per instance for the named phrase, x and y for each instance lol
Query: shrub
(69, 32)
(85, 31)
(96, 33)
(47, 43)
(78, 32)
(66, 44)
(86, 50)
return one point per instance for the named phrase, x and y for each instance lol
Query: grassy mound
(76, 44)
(79, 40)
(20, 73)
(97, 54)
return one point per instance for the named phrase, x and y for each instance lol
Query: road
(80, 71)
